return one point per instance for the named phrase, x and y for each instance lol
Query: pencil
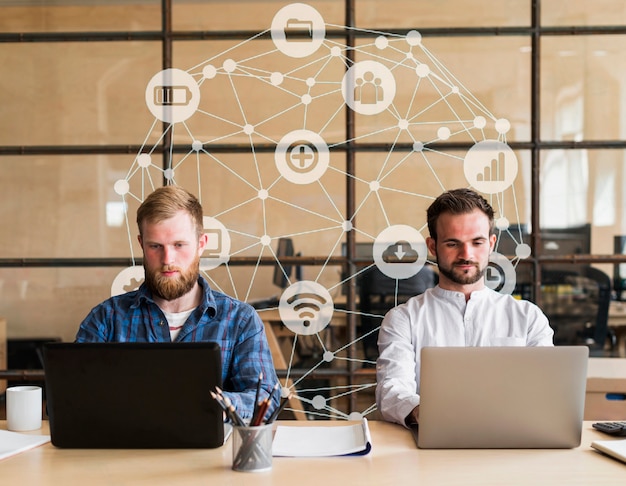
(258, 395)
(279, 409)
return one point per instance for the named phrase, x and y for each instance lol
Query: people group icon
(368, 89)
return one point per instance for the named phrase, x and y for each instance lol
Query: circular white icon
(302, 156)
(400, 251)
(172, 95)
(500, 274)
(217, 249)
(128, 280)
(298, 30)
(306, 307)
(490, 166)
(368, 87)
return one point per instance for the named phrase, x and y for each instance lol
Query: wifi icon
(306, 307)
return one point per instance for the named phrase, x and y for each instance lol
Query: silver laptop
(502, 397)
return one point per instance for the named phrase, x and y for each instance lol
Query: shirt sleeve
(92, 329)
(396, 388)
(251, 356)
(539, 331)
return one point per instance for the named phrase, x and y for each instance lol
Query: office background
(74, 118)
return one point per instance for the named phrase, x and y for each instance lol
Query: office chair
(585, 319)
(377, 295)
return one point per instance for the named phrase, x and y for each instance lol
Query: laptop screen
(502, 397)
(133, 395)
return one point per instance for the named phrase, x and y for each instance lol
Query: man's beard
(170, 288)
(462, 277)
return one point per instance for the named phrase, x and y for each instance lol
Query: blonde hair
(165, 202)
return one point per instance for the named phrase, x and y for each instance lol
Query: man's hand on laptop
(413, 417)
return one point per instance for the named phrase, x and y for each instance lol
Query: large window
(81, 145)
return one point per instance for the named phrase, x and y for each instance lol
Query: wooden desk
(394, 460)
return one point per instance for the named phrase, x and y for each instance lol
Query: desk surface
(394, 460)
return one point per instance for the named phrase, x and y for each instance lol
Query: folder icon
(299, 30)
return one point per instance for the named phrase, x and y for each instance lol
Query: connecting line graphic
(282, 103)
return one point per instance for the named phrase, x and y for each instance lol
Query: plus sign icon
(302, 156)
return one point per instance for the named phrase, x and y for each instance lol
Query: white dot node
(422, 70)
(230, 65)
(121, 187)
(503, 126)
(409, 55)
(306, 99)
(480, 122)
(455, 90)
(310, 82)
(418, 146)
(329, 356)
(209, 72)
(318, 402)
(196, 145)
(381, 42)
(355, 416)
(266, 240)
(248, 129)
(347, 226)
(169, 174)
(443, 133)
(144, 160)
(276, 79)
(522, 250)
(263, 194)
(284, 392)
(335, 51)
(374, 186)
(502, 224)
(414, 38)
(403, 124)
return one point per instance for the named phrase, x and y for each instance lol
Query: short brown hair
(457, 201)
(165, 202)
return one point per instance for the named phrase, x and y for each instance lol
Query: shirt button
(161, 323)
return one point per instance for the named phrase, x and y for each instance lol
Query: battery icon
(172, 95)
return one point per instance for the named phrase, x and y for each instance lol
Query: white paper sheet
(12, 443)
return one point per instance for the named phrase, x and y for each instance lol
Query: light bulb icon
(306, 307)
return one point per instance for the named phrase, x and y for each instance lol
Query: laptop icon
(133, 395)
(502, 397)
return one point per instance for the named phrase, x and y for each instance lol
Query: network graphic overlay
(310, 79)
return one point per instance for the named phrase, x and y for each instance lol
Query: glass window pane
(76, 93)
(582, 12)
(580, 188)
(51, 302)
(83, 16)
(244, 14)
(581, 85)
(444, 89)
(442, 13)
(63, 207)
(254, 93)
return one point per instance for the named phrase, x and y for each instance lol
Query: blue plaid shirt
(234, 325)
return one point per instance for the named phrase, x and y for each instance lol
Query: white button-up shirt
(441, 317)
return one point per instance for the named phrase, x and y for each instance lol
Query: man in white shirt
(459, 311)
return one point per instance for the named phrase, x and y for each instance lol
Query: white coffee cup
(24, 408)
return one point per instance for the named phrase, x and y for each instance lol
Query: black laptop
(133, 395)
